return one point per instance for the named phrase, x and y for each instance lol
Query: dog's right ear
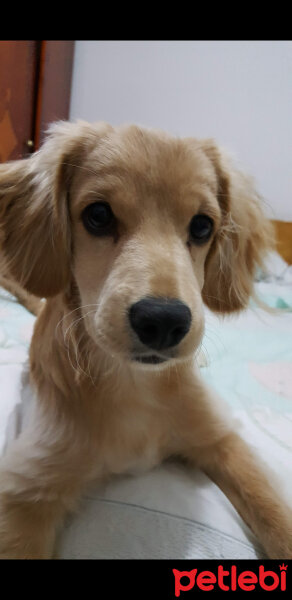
(35, 236)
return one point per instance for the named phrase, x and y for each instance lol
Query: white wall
(240, 93)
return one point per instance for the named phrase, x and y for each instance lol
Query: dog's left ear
(35, 234)
(243, 239)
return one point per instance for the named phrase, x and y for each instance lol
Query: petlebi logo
(233, 579)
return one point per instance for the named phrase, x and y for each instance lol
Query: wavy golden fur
(99, 411)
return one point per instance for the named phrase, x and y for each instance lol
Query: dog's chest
(135, 440)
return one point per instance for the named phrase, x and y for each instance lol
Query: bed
(173, 511)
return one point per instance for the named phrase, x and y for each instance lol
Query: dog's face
(148, 227)
(144, 211)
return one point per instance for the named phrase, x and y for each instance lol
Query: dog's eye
(201, 227)
(98, 218)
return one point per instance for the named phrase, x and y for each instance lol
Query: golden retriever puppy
(127, 232)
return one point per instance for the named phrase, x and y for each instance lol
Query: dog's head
(147, 226)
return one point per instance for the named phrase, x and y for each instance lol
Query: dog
(127, 232)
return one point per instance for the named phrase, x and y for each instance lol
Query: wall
(238, 92)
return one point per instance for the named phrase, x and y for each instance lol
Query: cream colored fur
(98, 411)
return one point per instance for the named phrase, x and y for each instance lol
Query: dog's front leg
(213, 444)
(40, 480)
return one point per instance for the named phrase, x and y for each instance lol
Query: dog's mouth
(152, 359)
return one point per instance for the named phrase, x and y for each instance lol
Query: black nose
(160, 322)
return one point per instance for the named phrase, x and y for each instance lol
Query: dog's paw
(278, 541)
(18, 548)
(18, 540)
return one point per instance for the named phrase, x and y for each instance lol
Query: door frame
(53, 85)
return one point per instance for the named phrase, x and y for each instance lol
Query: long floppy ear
(242, 241)
(34, 218)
